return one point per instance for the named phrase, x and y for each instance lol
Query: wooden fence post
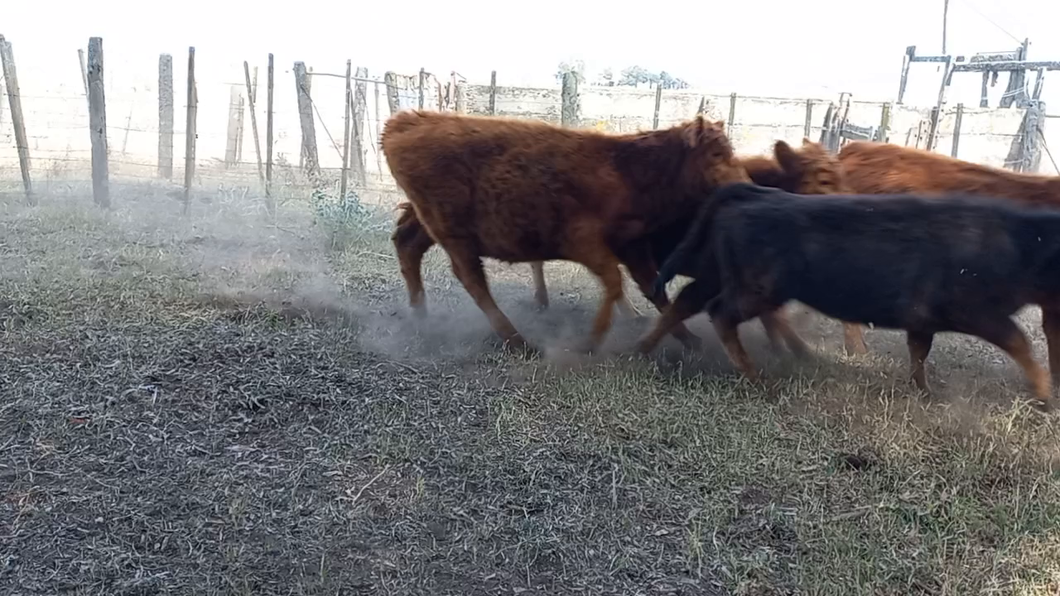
(190, 131)
(346, 133)
(570, 106)
(423, 76)
(235, 126)
(84, 71)
(807, 127)
(1030, 153)
(932, 128)
(390, 78)
(359, 106)
(493, 93)
(732, 114)
(270, 201)
(309, 91)
(7, 60)
(885, 123)
(702, 106)
(251, 94)
(305, 117)
(378, 131)
(165, 116)
(97, 122)
(658, 104)
(957, 129)
(461, 98)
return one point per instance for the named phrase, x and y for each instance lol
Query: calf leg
(919, 343)
(726, 321)
(540, 290)
(604, 264)
(411, 242)
(689, 301)
(643, 270)
(776, 323)
(467, 266)
(626, 307)
(1051, 327)
(1005, 334)
(854, 339)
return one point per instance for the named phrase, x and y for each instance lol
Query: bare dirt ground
(224, 405)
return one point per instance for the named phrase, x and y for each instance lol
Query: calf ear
(806, 142)
(700, 130)
(693, 132)
(786, 156)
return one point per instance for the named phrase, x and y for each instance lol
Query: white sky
(782, 48)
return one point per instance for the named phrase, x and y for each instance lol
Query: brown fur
(879, 168)
(519, 190)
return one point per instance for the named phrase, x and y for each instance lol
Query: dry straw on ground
(225, 406)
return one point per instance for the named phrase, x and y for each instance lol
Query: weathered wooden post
(732, 114)
(957, 129)
(14, 98)
(305, 118)
(658, 105)
(251, 94)
(885, 123)
(359, 106)
(97, 122)
(807, 126)
(493, 93)
(390, 78)
(346, 133)
(570, 103)
(165, 116)
(190, 132)
(270, 201)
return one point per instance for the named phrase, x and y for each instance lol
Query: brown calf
(879, 168)
(518, 191)
(810, 169)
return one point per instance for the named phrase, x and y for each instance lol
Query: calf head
(711, 161)
(811, 169)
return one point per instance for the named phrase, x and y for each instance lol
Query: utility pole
(945, 18)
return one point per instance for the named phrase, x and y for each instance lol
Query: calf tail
(695, 240)
(686, 250)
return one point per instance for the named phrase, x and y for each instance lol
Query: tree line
(628, 77)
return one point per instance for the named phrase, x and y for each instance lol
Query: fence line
(142, 144)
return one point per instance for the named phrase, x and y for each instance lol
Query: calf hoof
(541, 302)
(1046, 406)
(519, 346)
(419, 311)
(856, 349)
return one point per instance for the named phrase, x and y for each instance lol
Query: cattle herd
(879, 234)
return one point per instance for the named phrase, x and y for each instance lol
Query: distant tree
(606, 78)
(635, 75)
(575, 66)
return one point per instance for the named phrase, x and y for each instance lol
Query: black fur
(958, 263)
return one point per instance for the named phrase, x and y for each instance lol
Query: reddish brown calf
(879, 168)
(519, 190)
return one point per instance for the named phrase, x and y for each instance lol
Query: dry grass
(223, 406)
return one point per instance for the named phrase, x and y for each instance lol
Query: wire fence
(147, 111)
